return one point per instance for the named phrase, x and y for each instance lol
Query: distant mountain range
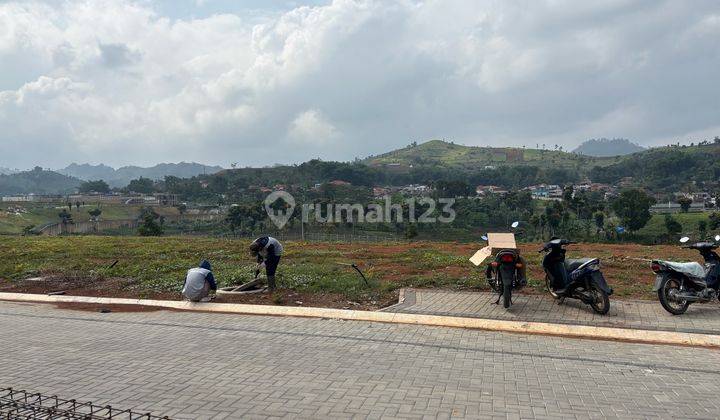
(608, 147)
(7, 171)
(661, 168)
(122, 176)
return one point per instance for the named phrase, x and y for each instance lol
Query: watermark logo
(412, 210)
(282, 216)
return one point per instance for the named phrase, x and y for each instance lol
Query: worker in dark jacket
(199, 282)
(268, 251)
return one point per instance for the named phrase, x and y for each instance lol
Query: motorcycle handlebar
(548, 246)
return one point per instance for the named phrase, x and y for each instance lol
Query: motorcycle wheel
(507, 294)
(600, 300)
(675, 308)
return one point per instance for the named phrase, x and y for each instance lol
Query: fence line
(56, 229)
(323, 237)
(91, 227)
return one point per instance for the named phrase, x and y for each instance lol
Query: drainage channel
(21, 404)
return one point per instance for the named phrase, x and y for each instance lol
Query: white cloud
(311, 127)
(117, 81)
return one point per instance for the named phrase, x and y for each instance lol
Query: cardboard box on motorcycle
(496, 243)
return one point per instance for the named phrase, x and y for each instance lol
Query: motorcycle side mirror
(515, 224)
(484, 237)
(684, 239)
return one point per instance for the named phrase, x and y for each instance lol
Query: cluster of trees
(37, 181)
(151, 223)
(665, 169)
(99, 186)
(140, 185)
(581, 215)
(234, 185)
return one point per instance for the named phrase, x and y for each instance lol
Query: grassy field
(310, 273)
(689, 221)
(41, 214)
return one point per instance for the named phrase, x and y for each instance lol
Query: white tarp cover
(496, 242)
(692, 268)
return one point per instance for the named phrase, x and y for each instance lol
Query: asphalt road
(193, 365)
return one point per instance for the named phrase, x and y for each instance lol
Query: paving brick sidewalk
(213, 366)
(637, 314)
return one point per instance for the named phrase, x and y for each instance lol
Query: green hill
(667, 168)
(37, 181)
(450, 155)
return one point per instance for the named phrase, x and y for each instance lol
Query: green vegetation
(37, 181)
(152, 223)
(689, 225)
(94, 187)
(38, 215)
(141, 185)
(633, 209)
(444, 154)
(667, 169)
(156, 266)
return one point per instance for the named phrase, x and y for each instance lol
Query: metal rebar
(23, 404)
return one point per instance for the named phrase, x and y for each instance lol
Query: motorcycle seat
(692, 269)
(572, 265)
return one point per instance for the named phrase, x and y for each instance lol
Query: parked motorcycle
(678, 284)
(577, 279)
(505, 273)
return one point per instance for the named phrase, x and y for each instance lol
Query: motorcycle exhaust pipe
(688, 297)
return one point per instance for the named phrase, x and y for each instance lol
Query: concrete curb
(542, 328)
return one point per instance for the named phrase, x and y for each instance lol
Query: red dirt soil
(118, 288)
(625, 266)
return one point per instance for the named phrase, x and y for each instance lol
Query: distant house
(671, 207)
(594, 187)
(599, 187)
(159, 199)
(701, 196)
(626, 182)
(339, 183)
(489, 189)
(416, 189)
(696, 197)
(380, 192)
(18, 199)
(546, 191)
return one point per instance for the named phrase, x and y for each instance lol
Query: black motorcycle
(576, 279)
(678, 284)
(505, 273)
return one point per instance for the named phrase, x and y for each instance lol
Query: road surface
(196, 365)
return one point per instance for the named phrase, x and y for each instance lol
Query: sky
(261, 82)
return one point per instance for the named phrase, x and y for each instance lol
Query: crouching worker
(199, 282)
(268, 251)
